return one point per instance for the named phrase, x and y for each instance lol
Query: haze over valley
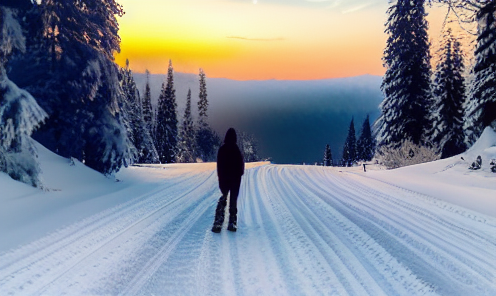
(292, 120)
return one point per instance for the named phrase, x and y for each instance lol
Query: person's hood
(231, 137)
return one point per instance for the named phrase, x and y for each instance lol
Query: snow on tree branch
(11, 34)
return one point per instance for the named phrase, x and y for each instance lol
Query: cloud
(357, 8)
(305, 3)
(335, 3)
(255, 39)
(349, 6)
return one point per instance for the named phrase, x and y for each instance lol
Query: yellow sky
(250, 39)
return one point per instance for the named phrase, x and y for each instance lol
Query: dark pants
(232, 187)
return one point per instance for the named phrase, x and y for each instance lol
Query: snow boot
(232, 226)
(219, 214)
(217, 228)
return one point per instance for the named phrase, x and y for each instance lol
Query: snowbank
(450, 179)
(73, 192)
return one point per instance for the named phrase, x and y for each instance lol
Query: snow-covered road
(302, 231)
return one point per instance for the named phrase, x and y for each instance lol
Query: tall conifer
(206, 138)
(139, 132)
(328, 156)
(481, 108)
(147, 105)
(365, 143)
(449, 97)
(82, 93)
(166, 128)
(187, 143)
(406, 83)
(203, 101)
(349, 149)
(20, 114)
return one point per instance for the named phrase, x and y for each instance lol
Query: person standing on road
(230, 168)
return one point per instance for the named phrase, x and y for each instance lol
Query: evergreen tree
(147, 106)
(20, 114)
(328, 156)
(202, 102)
(449, 96)
(406, 83)
(166, 129)
(139, 134)
(187, 143)
(481, 108)
(365, 143)
(154, 125)
(207, 140)
(349, 149)
(76, 81)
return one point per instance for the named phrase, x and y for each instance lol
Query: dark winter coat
(230, 163)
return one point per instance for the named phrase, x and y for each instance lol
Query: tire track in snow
(158, 242)
(439, 264)
(64, 250)
(243, 263)
(452, 234)
(321, 230)
(172, 237)
(69, 234)
(481, 218)
(302, 231)
(355, 278)
(263, 268)
(368, 255)
(317, 276)
(452, 245)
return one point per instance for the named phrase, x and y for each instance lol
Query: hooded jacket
(230, 163)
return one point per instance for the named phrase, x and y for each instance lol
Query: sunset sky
(258, 39)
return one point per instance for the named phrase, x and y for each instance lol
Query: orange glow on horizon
(243, 41)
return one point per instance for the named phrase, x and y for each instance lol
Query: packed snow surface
(302, 230)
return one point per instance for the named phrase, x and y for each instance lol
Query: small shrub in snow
(248, 146)
(477, 164)
(493, 165)
(407, 154)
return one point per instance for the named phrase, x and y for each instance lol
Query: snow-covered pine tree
(481, 107)
(206, 139)
(349, 149)
(20, 114)
(128, 108)
(187, 142)
(328, 156)
(107, 146)
(406, 83)
(203, 101)
(138, 133)
(449, 97)
(154, 126)
(74, 78)
(166, 129)
(146, 106)
(365, 144)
